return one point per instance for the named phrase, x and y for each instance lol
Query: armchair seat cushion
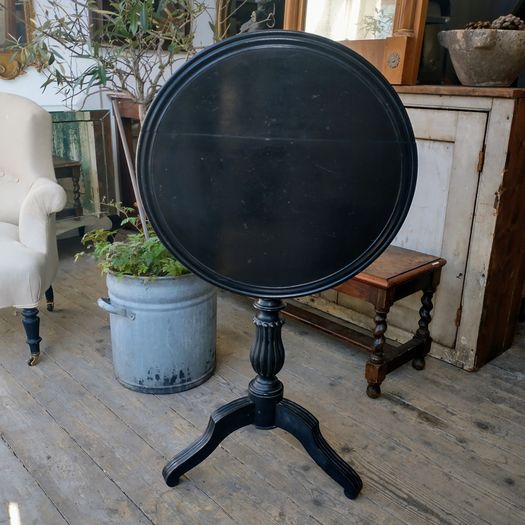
(8, 231)
(23, 271)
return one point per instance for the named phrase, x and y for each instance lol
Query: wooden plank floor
(441, 446)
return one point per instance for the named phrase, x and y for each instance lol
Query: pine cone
(480, 24)
(508, 22)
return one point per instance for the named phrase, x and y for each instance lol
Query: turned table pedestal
(259, 166)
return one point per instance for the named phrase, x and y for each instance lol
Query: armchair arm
(35, 224)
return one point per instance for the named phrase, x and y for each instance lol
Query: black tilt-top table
(275, 164)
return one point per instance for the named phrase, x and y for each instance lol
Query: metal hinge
(459, 311)
(481, 159)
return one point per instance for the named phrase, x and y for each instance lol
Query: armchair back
(25, 146)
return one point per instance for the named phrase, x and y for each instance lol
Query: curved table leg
(222, 423)
(305, 427)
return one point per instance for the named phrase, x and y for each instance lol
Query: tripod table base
(290, 417)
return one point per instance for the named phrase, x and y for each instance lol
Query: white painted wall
(29, 84)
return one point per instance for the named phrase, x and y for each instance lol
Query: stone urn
(485, 57)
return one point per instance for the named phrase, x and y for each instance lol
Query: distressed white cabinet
(469, 208)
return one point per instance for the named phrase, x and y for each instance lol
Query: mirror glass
(241, 16)
(13, 17)
(350, 19)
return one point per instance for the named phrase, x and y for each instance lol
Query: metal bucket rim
(149, 278)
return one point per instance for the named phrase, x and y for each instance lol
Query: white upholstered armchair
(29, 198)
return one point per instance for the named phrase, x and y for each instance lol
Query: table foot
(418, 363)
(373, 390)
(304, 426)
(222, 423)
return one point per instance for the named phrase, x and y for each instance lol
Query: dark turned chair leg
(265, 408)
(31, 324)
(375, 372)
(423, 332)
(50, 299)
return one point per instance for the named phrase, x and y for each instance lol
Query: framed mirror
(242, 16)
(350, 19)
(15, 26)
(388, 33)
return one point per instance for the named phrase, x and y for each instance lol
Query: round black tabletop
(277, 164)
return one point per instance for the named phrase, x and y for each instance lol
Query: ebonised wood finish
(50, 299)
(31, 323)
(275, 164)
(266, 408)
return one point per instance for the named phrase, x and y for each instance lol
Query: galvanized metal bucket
(162, 331)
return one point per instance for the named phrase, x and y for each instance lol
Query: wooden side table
(69, 169)
(396, 274)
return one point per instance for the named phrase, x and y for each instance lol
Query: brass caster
(50, 306)
(418, 363)
(34, 359)
(373, 391)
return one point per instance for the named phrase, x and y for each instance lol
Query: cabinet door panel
(440, 219)
(424, 226)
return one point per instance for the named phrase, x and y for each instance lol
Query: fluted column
(267, 358)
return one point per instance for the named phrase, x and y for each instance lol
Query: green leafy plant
(125, 46)
(130, 253)
(379, 25)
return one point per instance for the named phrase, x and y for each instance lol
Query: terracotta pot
(485, 57)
